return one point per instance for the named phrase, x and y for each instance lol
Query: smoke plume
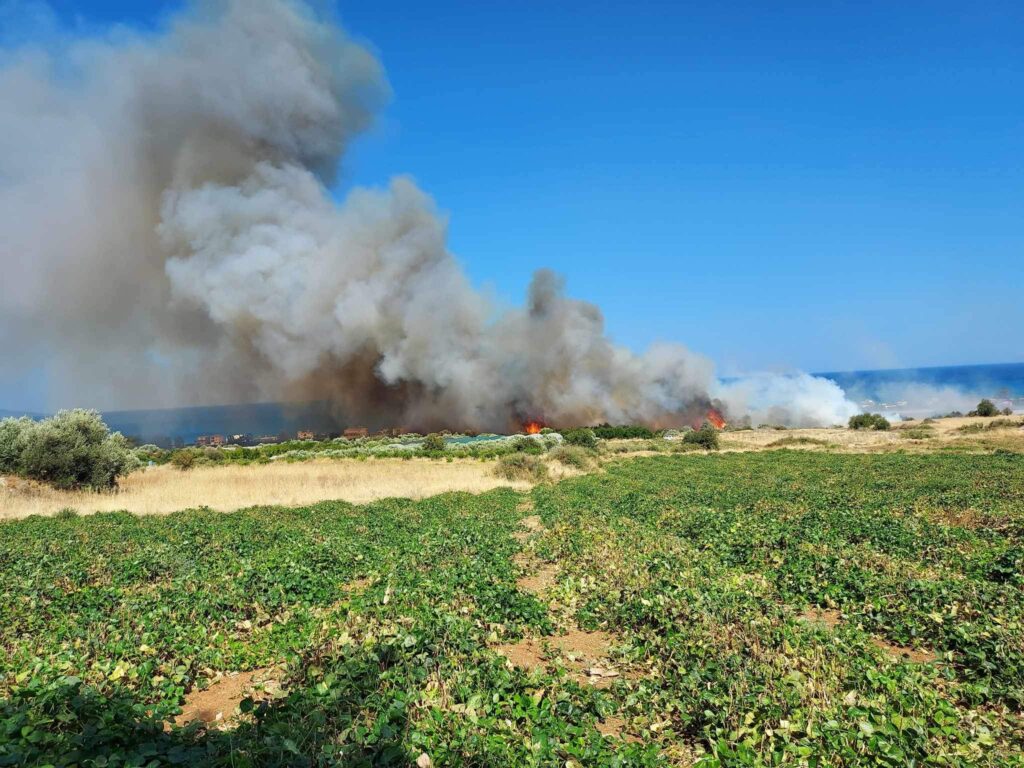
(169, 237)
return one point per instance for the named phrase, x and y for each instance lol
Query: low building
(354, 433)
(210, 441)
(306, 434)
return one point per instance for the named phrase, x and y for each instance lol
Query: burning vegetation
(715, 418)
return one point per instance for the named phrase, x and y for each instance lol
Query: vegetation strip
(698, 570)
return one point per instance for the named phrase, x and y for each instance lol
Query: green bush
(74, 449)
(186, 458)
(585, 438)
(623, 432)
(433, 444)
(527, 445)
(706, 437)
(869, 421)
(986, 408)
(11, 434)
(572, 456)
(150, 452)
(521, 466)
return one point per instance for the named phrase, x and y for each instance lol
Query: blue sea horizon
(934, 390)
(991, 377)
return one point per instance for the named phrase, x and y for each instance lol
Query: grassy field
(162, 489)
(963, 434)
(745, 609)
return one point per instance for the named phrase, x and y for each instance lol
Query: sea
(933, 391)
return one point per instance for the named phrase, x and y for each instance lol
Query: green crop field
(779, 608)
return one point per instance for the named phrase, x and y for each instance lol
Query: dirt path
(218, 703)
(585, 653)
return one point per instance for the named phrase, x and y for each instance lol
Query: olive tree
(74, 449)
(12, 432)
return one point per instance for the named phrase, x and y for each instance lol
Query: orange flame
(533, 427)
(715, 418)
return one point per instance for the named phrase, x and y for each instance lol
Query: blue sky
(816, 185)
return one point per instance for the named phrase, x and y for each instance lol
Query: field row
(778, 608)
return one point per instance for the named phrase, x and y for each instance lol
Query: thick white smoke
(917, 399)
(795, 400)
(169, 237)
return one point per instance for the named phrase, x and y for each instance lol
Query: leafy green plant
(149, 452)
(623, 432)
(521, 466)
(433, 444)
(774, 608)
(186, 459)
(985, 408)
(529, 445)
(12, 432)
(869, 421)
(706, 437)
(73, 449)
(572, 456)
(585, 438)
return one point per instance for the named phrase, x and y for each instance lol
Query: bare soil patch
(219, 702)
(614, 727)
(587, 653)
(531, 525)
(539, 582)
(822, 616)
(528, 654)
(583, 652)
(902, 653)
(586, 645)
(358, 585)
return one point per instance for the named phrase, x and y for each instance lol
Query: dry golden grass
(944, 435)
(841, 439)
(159, 490)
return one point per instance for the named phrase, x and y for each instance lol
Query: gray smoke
(169, 238)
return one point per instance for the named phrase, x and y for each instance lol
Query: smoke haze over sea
(934, 390)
